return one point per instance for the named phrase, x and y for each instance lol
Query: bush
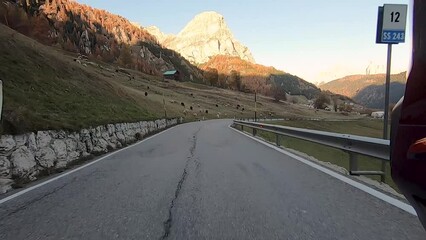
(322, 101)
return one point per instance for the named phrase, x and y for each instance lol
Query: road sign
(392, 20)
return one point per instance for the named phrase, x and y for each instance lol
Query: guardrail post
(254, 132)
(277, 139)
(242, 128)
(383, 177)
(353, 164)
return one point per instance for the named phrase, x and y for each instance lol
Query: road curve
(202, 181)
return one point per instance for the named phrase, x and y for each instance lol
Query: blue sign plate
(389, 36)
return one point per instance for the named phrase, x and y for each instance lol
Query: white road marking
(77, 169)
(397, 203)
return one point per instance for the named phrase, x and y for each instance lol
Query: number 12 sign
(391, 23)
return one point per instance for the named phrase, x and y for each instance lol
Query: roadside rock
(4, 167)
(111, 129)
(20, 140)
(23, 162)
(72, 156)
(7, 143)
(46, 157)
(60, 149)
(100, 146)
(31, 143)
(43, 139)
(121, 137)
(89, 146)
(71, 144)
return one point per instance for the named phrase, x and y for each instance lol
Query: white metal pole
(388, 73)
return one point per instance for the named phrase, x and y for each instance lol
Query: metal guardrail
(352, 144)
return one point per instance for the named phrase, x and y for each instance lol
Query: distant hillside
(256, 76)
(368, 90)
(374, 96)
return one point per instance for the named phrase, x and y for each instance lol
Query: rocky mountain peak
(205, 36)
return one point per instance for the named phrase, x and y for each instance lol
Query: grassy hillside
(44, 88)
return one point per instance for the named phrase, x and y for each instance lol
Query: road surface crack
(38, 199)
(167, 225)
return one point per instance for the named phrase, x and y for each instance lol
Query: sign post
(391, 22)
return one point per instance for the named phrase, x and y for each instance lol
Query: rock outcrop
(24, 157)
(205, 36)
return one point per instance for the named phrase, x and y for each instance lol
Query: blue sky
(316, 40)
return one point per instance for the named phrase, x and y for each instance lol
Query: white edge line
(78, 169)
(395, 202)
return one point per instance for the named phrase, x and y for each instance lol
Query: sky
(316, 40)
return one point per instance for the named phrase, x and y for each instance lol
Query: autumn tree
(235, 80)
(222, 81)
(322, 101)
(125, 59)
(278, 92)
(212, 76)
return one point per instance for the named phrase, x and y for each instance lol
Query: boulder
(20, 140)
(61, 134)
(100, 146)
(60, 149)
(105, 135)
(43, 139)
(89, 146)
(84, 135)
(53, 134)
(111, 146)
(81, 147)
(72, 156)
(46, 157)
(7, 143)
(4, 167)
(31, 143)
(23, 162)
(121, 137)
(118, 127)
(71, 144)
(111, 129)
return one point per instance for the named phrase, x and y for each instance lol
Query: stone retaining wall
(24, 157)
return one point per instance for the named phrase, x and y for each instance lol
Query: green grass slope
(46, 89)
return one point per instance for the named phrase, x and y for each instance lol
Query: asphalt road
(202, 181)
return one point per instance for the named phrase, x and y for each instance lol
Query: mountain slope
(95, 33)
(203, 37)
(261, 78)
(368, 90)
